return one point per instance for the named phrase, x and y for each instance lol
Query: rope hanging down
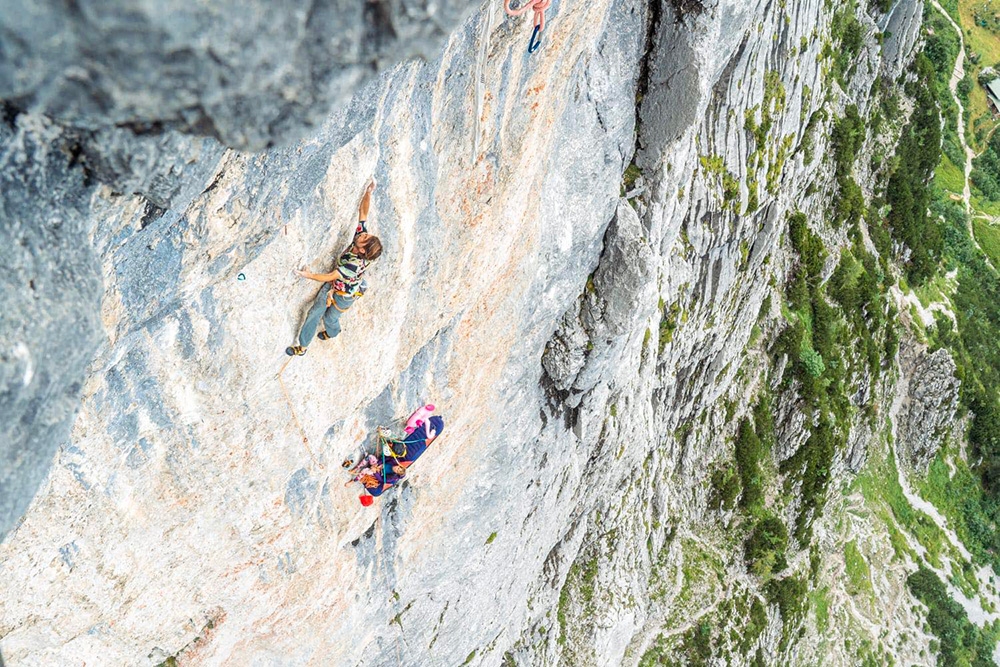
(291, 409)
(484, 48)
(539, 7)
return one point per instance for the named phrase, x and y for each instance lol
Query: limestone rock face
(582, 347)
(248, 74)
(185, 429)
(113, 80)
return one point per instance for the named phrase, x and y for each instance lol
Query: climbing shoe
(347, 464)
(295, 351)
(322, 335)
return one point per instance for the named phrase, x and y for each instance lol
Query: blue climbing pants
(330, 316)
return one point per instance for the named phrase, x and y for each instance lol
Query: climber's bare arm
(366, 200)
(320, 277)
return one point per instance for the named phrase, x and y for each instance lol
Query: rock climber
(342, 285)
(399, 454)
(372, 475)
(367, 471)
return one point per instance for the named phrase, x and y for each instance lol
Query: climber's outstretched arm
(321, 277)
(366, 200)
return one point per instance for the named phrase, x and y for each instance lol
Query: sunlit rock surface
(99, 93)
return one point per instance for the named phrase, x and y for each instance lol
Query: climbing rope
(384, 442)
(539, 7)
(484, 48)
(291, 409)
(383, 468)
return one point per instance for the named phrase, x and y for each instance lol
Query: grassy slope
(982, 45)
(988, 236)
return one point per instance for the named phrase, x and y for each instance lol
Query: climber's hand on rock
(301, 273)
(370, 186)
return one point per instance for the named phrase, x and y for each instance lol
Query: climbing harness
(347, 295)
(539, 7)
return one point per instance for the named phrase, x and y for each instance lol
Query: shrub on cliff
(961, 642)
(749, 452)
(812, 361)
(908, 195)
(764, 552)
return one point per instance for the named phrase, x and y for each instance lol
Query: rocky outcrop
(618, 298)
(929, 391)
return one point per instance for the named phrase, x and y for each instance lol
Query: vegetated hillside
(705, 361)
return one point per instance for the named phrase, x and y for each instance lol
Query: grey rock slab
(928, 415)
(901, 29)
(50, 287)
(248, 74)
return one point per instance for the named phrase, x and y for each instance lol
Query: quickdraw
(539, 7)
